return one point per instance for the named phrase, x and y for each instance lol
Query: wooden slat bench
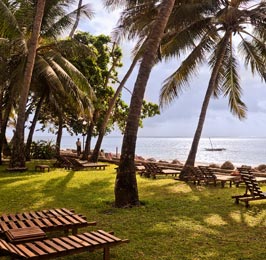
(62, 246)
(48, 220)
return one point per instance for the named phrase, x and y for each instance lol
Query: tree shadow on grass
(207, 216)
(177, 221)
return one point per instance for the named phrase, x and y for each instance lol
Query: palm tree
(56, 79)
(233, 20)
(18, 154)
(55, 20)
(126, 191)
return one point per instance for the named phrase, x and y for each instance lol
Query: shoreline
(247, 151)
(115, 157)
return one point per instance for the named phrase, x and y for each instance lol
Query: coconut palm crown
(215, 35)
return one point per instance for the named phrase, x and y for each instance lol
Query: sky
(181, 117)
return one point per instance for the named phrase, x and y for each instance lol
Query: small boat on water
(214, 149)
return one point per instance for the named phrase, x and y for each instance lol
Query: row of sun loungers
(208, 175)
(23, 235)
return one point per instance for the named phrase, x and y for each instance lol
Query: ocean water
(248, 151)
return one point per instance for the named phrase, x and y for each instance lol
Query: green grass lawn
(176, 221)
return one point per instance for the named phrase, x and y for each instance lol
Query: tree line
(210, 32)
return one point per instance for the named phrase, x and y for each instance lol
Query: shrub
(228, 165)
(213, 165)
(262, 167)
(42, 150)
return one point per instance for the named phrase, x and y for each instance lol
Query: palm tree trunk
(77, 20)
(126, 190)
(95, 154)
(32, 128)
(87, 149)
(90, 128)
(59, 134)
(18, 152)
(3, 142)
(211, 86)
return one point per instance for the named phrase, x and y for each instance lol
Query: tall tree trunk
(95, 154)
(77, 20)
(59, 134)
(1, 122)
(32, 127)
(89, 133)
(126, 190)
(18, 152)
(3, 142)
(211, 86)
(87, 149)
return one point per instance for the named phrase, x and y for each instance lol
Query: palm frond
(232, 88)
(258, 20)
(75, 74)
(184, 38)
(254, 56)
(136, 21)
(173, 85)
(57, 21)
(45, 72)
(9, 28)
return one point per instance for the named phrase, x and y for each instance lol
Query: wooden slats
(62, 243)
(48, 249)
(71, 242)
(36, 214)
(26, 251)
(95, 238)
(87, 239)
(253, 191)
(36, 249)
(53, 219)
(109, 235)
(55, 247)
(80, 241)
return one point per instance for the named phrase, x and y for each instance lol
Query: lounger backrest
(208, 173)
(251, 184)
(152, 168)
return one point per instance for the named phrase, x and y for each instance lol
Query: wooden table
(25, 234)
(42, 167)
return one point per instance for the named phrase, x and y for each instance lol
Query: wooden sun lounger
(253, 191)
(62, 162)
(152, 169)
(76, 165)
(62, 246)
(193, 174)
(212, 176)
(47, 220)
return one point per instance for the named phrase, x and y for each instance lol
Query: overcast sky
(180, 118)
